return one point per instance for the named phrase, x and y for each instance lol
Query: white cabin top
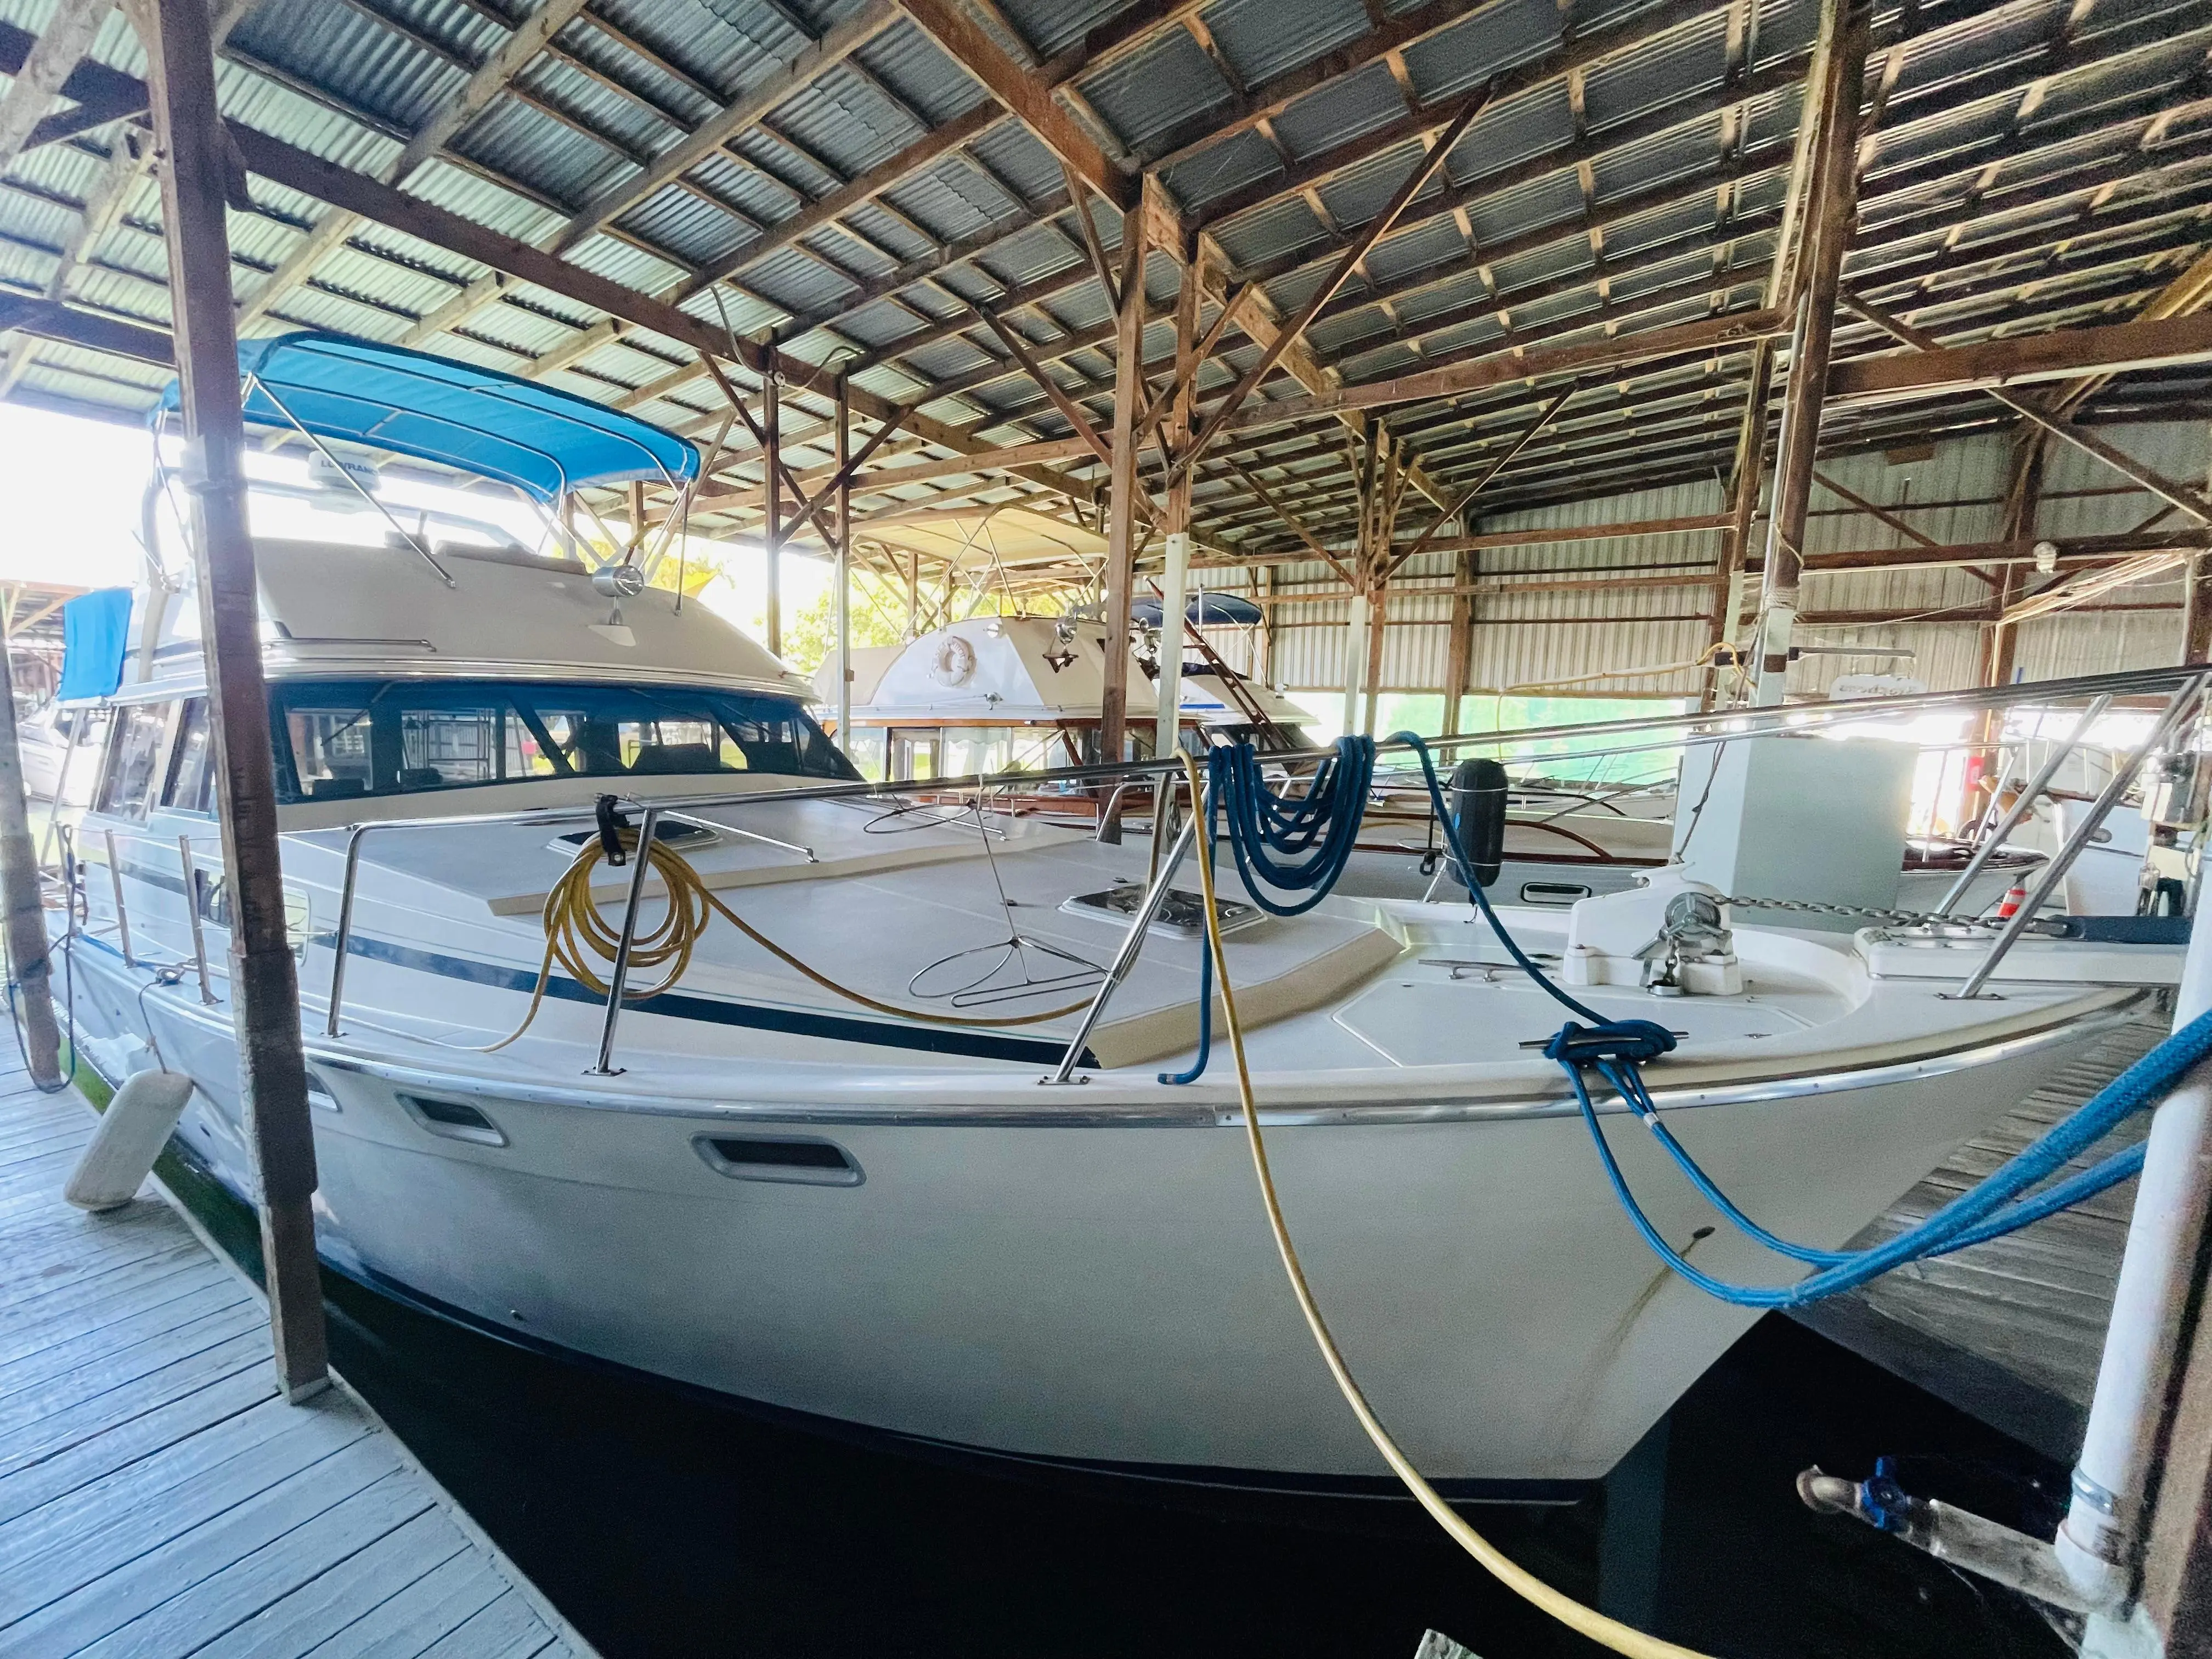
(1013, 671)
(333, 609)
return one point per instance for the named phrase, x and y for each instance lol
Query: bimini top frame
(545, 443)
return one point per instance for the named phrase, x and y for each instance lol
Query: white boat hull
(1103, 1293)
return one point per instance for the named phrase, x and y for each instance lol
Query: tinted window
(337, 739)
(128, 786)
(191, 788)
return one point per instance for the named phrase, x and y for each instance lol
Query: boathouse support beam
(264, 991)
(772, 466)
(1121, 502)
(30, 968)
(1840, 61)
(844, 571)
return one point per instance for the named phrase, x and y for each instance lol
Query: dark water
(663, 1526)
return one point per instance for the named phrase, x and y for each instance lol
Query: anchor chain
(1889, 918)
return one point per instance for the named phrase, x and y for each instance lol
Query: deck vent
(752, 1158)
(452, 1120)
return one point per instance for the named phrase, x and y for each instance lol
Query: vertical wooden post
(2196, 612)
(28, 962)
(1122, 500)
(637, 516)
(1263, 589)
(844, 563)
(2001, 646)
(1359, 623)
(264, 988)
(772, 424)
(1743, 506)
(1387, 502)
(1834, 201)
(1459, 652)
(1167, 725)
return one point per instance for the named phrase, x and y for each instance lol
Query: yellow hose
(1587, 1621)
(577, 938)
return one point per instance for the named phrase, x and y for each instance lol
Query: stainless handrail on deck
(618, 981)
(2024, 804)
(1132, 942)
(1732, 725)
(122, 916)
(2184, 703)
(192, 909)
(188, 865)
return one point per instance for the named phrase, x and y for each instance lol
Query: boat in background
(46, 737)
(1009, 694)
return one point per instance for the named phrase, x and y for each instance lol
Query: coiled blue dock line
(1291, 844)
(1285, 843)
(1995, 1205)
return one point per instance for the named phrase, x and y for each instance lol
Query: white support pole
(2099, 1543)
(1174, 582)
(1355, 660)
(1775, 629)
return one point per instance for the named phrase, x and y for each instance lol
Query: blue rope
(1998, 1205)
(1312, 834)
(1291, 844)
(1205, 965)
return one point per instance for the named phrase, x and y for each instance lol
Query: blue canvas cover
(1206, 610)
(476, 420)
(95, 634)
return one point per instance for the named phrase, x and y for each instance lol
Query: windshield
(348, 737)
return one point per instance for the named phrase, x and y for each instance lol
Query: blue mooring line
(1316, 834)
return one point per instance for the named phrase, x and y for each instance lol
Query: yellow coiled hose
(577, 938)
(1587, 1621)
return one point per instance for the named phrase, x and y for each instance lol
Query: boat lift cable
(1587, 1622)
(1998, 1204)
(577, 938)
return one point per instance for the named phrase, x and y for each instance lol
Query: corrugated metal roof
(347, 78)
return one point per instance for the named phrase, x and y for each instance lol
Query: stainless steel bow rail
(2023, 804)
(188, 868)
(1717, 726)
(2185, 703)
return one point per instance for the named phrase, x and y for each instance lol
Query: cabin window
(917, 754)
(191, 786)
(134, 756)
(364, 738)
(977, 750)
(868, 749)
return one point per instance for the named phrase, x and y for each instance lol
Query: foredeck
(157, 1498)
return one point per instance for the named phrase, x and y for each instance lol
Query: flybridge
(542, 441)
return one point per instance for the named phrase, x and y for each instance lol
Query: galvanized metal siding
(1578, 641)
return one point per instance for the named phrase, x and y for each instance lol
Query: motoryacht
(1023, 693)
(854, 1194)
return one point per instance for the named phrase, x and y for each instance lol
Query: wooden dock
(157, 1499)
(2011, 1330)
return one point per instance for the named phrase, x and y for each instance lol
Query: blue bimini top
(475, 420)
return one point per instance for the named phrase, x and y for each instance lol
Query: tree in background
(810, 635)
